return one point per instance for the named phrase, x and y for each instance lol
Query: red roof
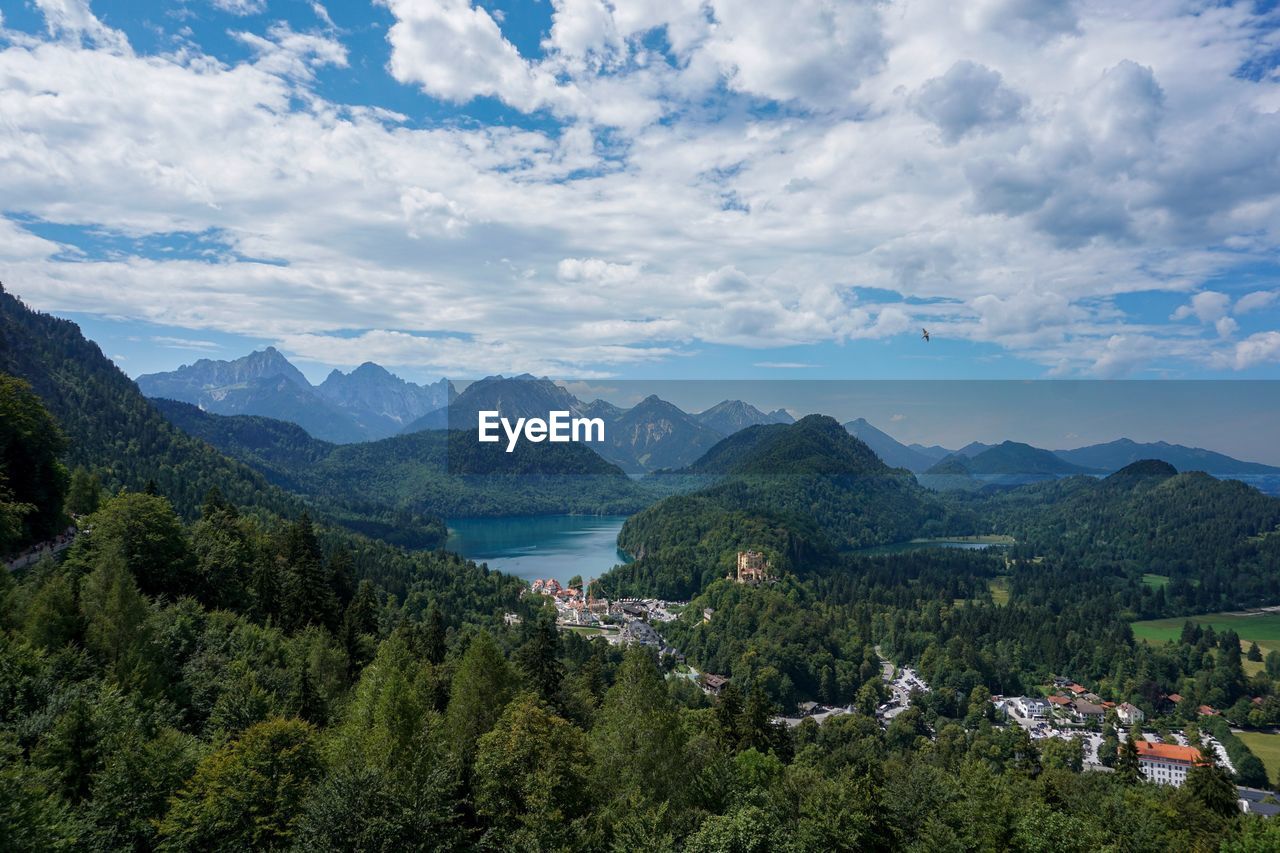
(1206, 711)
(1169, 752)
(1175, 698)
(1059, 700)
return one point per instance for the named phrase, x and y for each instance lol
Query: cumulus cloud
(1259, 349)
(746, 173)
(968, 97)
(455, 51)
(1207, 306)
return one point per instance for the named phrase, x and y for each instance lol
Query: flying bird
(924, 333)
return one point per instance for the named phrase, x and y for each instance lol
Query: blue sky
(664, 189)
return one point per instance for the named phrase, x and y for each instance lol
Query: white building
(1029, 708)
(1129, 714)
(1167, 763)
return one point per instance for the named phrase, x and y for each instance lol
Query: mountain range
(366, 404)
(652, 435)
(370, 403)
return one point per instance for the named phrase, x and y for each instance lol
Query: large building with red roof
(1167, 763)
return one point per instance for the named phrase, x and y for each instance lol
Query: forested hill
(111, 428)
(1217, 539)
(433, 472)
(801, 492)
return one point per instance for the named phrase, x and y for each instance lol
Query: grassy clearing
(1255, 627)
(1267, 748)
(999, 590)
(1155, 581)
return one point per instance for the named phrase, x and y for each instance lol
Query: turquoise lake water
(541, 546)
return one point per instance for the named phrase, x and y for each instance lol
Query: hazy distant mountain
(368, 403)
(973, 448)
(656, 434)
(729, 416)
(261, 383)
(933, 451)
(382, 403)
(522, 396)
(1007, 463)
(1115, 455)
(894, 453)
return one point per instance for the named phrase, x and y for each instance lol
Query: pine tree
(637, 740)
(308, 597)
(304, 699)
(433, 642)
(539, 658)
(1128, 767)
(71, 751)
(482, 686)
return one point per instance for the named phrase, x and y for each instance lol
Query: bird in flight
(924, 333)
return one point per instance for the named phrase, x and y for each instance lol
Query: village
(1068, 711)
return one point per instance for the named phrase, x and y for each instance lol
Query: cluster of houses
(633, 616)
(1077, 703)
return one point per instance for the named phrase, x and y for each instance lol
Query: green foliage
(531, 782)
(247, 794)
(482, 686)
(145, 532)
(33, 482)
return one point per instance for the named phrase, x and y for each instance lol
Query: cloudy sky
(652, 188)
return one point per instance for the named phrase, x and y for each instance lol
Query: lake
(541, 546)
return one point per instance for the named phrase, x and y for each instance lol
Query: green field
(999, 590)
(1267, 748)
(1155, 581)
(1260, 628)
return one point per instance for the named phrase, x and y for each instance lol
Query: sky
(715, 189)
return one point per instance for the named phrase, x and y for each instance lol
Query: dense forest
(407, 480)
(240, 669)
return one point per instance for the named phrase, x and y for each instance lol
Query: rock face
(368, 403)
(382, 403)
(656, 434)
(730, 416)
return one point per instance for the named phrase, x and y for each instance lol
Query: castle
(753, 568)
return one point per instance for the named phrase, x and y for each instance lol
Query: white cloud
(1255, 301)
(241, 7)
(1208, 306)
(72, 20)
(456, 51)
(1259, 349)
(968, 97)
(719, 171)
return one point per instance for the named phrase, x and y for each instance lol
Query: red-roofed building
(1175, 698)
(1077, 690)
(1167, 763)
(1060, 701)
(1206, 711)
